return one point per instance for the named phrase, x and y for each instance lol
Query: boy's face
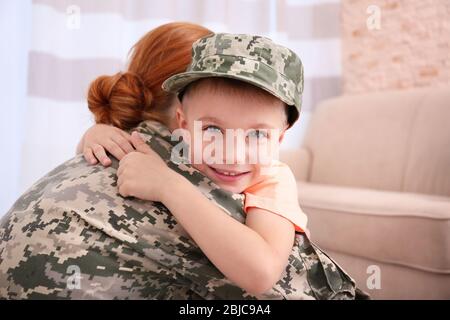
(260, 120)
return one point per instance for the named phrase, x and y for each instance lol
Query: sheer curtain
(14, 45)
(59, 46)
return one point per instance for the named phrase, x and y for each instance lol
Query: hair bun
(119, 99)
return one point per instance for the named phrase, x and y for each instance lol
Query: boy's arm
(253, 255)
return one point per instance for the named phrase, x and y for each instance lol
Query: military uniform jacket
(72, 236)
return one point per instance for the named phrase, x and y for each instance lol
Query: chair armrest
(299, 160)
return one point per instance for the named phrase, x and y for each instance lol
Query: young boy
(235, 82)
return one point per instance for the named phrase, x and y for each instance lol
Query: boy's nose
(235, 150)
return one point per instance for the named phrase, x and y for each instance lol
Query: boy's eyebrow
(212, 119)
(260, 125)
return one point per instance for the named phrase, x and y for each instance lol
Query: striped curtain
(70, 42)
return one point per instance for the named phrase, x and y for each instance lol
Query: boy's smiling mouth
(228, 175)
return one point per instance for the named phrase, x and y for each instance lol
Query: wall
(411, 48)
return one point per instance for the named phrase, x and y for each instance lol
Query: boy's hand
(101, 138)
(143, 174)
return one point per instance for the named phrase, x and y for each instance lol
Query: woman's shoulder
(64, 184)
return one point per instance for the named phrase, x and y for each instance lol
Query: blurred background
(373, 164)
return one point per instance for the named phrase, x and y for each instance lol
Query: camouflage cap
(253, 59)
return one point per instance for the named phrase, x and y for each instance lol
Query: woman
(72, 236)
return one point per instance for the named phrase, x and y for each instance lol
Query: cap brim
(178, 82)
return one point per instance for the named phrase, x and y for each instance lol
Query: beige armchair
(374, 179)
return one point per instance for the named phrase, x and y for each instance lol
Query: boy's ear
(181, 120)
(280, 139)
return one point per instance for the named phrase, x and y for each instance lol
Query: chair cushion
(402, 228)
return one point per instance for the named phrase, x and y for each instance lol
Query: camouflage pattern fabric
(72, 236)
(253, 59)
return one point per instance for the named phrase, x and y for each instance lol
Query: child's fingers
(119, 180)
(89, 156)
(113, 148)
(125, 135)
(120, 186)
(123, 143)
(100, 154)
(139, 144)
(119, 172)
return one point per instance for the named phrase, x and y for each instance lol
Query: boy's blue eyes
(212, 129)
(259, 134)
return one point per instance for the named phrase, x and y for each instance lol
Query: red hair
(125, 99)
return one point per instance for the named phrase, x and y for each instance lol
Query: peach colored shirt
(277, 193)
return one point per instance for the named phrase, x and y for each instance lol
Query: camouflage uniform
(73, 219)
(72, 236)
